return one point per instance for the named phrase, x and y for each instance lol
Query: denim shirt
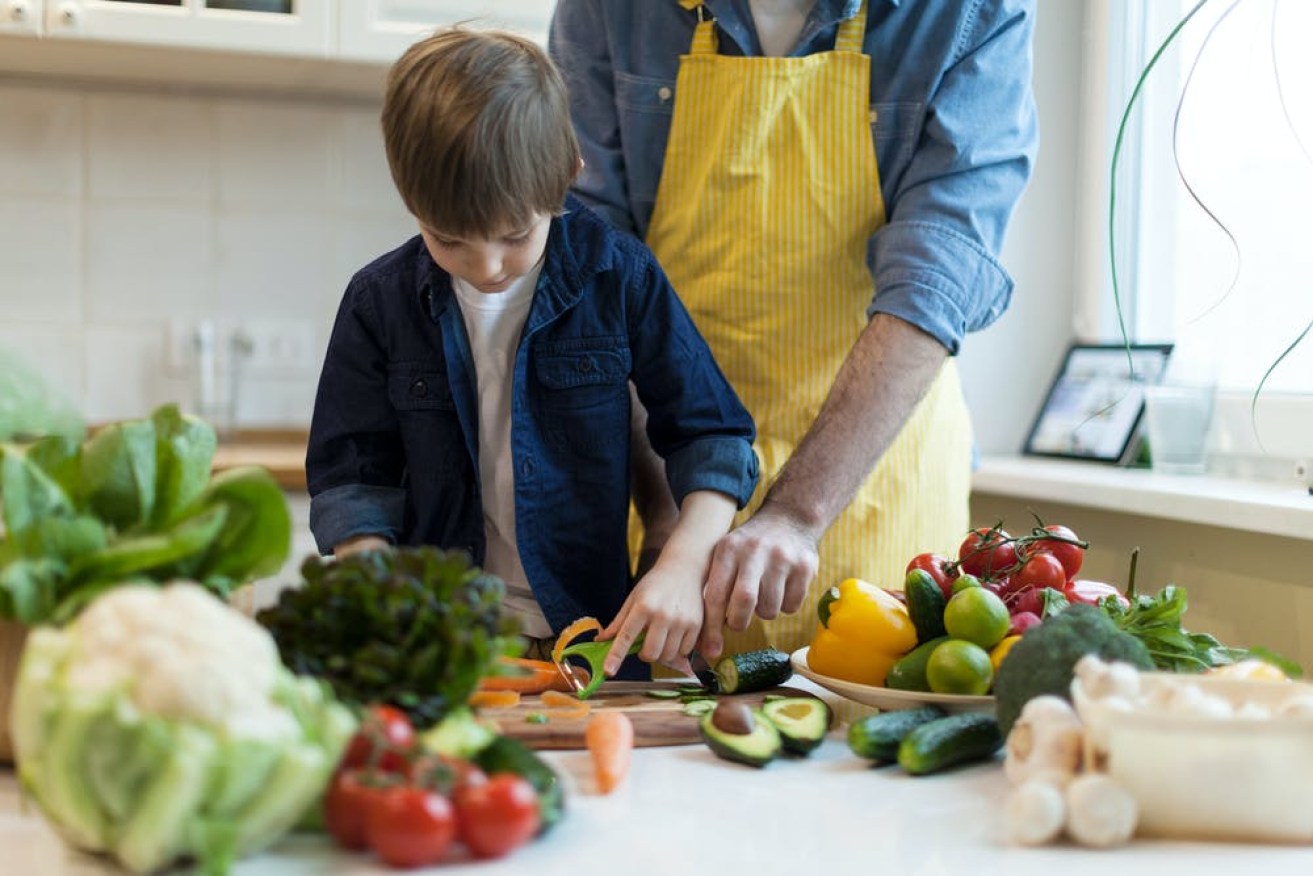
(394, 442)
(952, 121)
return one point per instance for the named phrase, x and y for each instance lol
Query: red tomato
(446, 774)
(499, 816)
(987, 553)
(937, 566)
(387, 731)
(347, 805)
(1070, 555)
(411, 827)
(1040, 571)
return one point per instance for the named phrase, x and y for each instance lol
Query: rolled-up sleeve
(935, 263)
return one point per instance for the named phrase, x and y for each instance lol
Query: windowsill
(1281, 509)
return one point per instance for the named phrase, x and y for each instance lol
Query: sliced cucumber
(698, 708)
(665, 693)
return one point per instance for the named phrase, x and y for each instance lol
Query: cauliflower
(160, 725)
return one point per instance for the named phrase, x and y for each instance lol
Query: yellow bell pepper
(863, 632)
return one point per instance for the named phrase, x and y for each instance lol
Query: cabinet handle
(18, 10)
(70, 14)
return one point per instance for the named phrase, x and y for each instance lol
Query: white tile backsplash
(140, 147)
(40, 141)
(40, 259)
(126, 210)
(148, 260)
(275, 154)
(124, 374)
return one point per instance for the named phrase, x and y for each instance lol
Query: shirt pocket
(585, 392)
(646, 105)
(895, 127)
(414, 386)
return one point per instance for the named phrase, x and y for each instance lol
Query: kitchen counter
(282, 452)
(682, 810)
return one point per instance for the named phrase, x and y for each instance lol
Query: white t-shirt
(493, 322)
(778, 23)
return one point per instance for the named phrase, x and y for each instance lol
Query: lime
(977, 615)
(959, 667)
(962, 582)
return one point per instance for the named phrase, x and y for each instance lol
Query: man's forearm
(885, 375)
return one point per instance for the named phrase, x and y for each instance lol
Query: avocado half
(802, 722)
(757, 748)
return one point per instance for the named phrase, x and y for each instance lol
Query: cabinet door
(20, 16)
(380, 30)
(280, 27)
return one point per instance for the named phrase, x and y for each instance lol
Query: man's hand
(764, 566)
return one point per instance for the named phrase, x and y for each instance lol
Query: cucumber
(909, 672)
(752, 671)
(925, 605)
(505, 754)
(877, 737)
(950, 741)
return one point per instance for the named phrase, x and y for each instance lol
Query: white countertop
(683, 811)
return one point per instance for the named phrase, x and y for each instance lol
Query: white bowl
(887, 698)
(1203, 777)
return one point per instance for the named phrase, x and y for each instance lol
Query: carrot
(610, 739)
(526, 676)
(494, 699)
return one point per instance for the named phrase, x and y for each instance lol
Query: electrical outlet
(278, 346)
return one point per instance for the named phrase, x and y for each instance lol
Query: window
(1232, 299)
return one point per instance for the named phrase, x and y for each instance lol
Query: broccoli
(1042, 662)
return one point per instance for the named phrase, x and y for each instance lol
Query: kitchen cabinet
(292, 27)
(380, 30)
(21, 16)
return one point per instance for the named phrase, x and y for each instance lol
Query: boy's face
(490, 264)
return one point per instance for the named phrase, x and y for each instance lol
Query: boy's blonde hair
(478, 133)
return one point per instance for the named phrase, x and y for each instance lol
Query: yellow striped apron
(768, 198)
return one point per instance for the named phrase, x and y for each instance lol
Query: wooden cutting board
(656, 721)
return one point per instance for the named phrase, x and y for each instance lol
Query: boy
(475, 390)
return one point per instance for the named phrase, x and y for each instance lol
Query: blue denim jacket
(952, 119)
(393, 442)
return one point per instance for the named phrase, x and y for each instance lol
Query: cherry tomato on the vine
(1070, 555)
(987, 553)
(1040, 571)
(411, 827)
(347, 805)
(384, 741)
(938, 567)
(498, 816)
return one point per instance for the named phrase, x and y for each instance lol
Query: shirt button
(419, 389)
(585, 365)
(664, 93)
(874, 116)
(526, 468)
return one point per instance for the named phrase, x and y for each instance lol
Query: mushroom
(1036, 810)
(1099, 679)
(1100, 812)
(1047, 737)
